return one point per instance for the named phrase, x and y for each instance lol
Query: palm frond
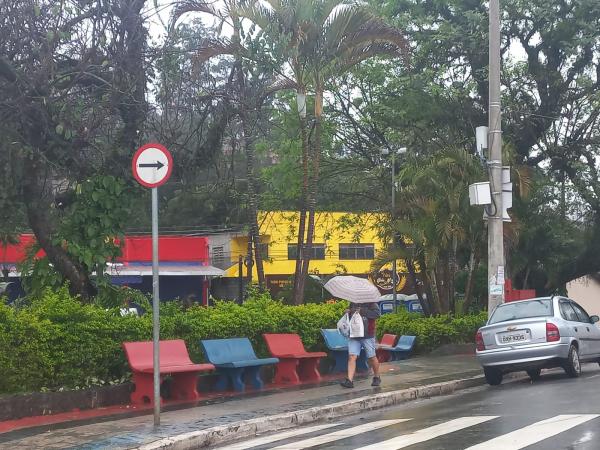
(280, 84)
(258, 14)
(186, 6)
(209, 48)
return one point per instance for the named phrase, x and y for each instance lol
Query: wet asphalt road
(517, 404)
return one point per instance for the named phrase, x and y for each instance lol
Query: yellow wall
(278, 228)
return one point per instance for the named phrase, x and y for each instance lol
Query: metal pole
(495, 224)
(155, 308)
(241, 278)
(394, 269)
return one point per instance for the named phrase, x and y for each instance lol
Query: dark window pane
(292, 251)
(264, 250)
(357, 251)
(583, 316)
(318, 251)
(567, 312)
(522, 310)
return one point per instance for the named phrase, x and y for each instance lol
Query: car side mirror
(594, 319)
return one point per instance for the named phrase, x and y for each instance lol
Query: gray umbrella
(353, 289)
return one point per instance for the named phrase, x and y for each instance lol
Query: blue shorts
(354, 346)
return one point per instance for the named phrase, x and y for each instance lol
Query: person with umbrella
(363, 298)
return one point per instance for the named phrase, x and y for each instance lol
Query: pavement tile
(131, 432)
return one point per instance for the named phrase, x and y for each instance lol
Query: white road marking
(277, 437)
(337, 435)
(535, 432)
(428, 433)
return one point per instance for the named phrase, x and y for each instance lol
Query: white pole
(155, 308)
(394, 268)
(495, 224)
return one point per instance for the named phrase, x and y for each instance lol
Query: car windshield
(522, 310)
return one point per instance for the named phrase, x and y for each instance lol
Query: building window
(357, 251)
(317, 251)
(218, 256)
(263, 248)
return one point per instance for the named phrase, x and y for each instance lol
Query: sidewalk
(132, 432)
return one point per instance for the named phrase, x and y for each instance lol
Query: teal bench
(235, 360)
(403, 348)
(338, 346)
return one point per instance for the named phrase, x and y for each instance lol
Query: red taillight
(479, 341)
(552, 333)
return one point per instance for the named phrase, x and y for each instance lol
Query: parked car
(535, 334)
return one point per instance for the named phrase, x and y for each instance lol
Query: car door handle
(575, 329)
(587, 328)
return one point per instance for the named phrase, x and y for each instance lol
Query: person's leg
(351, 366)
(369, 346)
(354, 347)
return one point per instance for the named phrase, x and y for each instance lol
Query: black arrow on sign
(158, 165)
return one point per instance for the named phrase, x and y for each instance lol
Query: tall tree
(324, 38)
(72, 87)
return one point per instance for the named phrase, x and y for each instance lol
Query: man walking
(369, 313)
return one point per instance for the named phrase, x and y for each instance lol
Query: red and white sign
(152, 165)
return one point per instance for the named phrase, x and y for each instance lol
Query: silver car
(535, 334)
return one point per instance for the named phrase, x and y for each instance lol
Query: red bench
(383, 347)
(295, 363)
(174, 361)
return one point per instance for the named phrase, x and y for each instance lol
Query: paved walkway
(134, 431)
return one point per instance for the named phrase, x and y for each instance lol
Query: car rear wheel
(534, 374)
(572, 365)
(492, 376)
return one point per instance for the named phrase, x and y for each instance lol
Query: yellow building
(344, 243)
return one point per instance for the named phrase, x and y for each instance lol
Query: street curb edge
(248, 428)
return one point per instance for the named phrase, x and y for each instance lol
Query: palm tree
(247, 103)
(435, 217)
(323, 39)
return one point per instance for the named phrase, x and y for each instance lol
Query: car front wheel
(572, 365)
(492, 376)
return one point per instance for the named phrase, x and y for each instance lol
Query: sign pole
(151, 166)
(155, 307)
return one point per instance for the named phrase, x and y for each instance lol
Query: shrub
(55, 341)
(432, 332)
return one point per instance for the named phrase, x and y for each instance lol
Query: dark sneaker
(376, 381)
(347, 383)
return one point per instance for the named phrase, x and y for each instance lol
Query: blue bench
(235, 359)
(403, 348)
(338, 346)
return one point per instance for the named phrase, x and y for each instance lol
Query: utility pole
(400, 151)
(394, 267)
(495, 223)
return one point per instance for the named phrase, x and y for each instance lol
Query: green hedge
(56, 342)
(432, 332)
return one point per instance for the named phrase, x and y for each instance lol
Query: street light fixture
(399, 151)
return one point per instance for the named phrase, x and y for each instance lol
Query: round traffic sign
(152, 165)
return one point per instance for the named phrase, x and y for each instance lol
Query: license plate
(509, 338)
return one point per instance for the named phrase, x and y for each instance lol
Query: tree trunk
(254, 237)
(526, 279)
(435, 291)
(300, 250)
(312, 191)
(37, 204)
(451, 275)
(410, 266)
(474, 259)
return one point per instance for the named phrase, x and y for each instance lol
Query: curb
(249, 428)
